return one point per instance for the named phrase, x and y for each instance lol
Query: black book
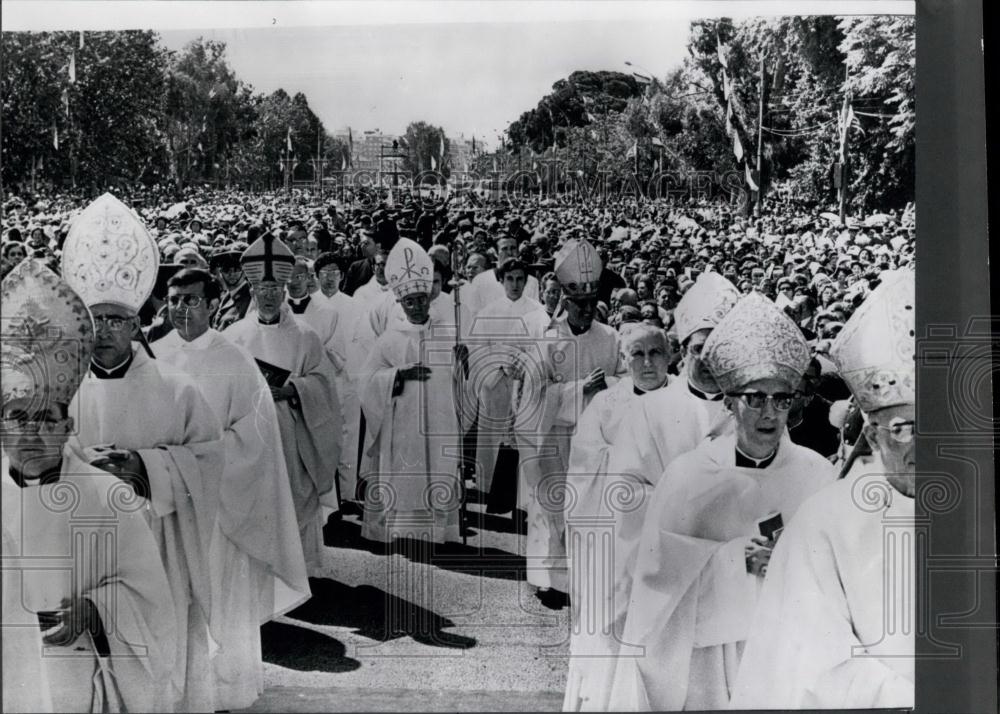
(275, 376)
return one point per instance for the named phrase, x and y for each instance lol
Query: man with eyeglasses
(835, 625)
(302, 383)
(256, 539)
(706, 541)
(317, 314)
(172, 455)
(102, 605)
(576, 358)
(235, 302)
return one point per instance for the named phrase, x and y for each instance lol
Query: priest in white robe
(705, 542)
(302, 383)
(79, 557)
(328, 275)
(314, 312)
(487, 287)
(256, 550)
(835, 625)
(500, 334)
(408, 392)
(675, 420)
(173, 456)
(602, 503)
(576, 358)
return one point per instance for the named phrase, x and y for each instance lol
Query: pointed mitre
(875, 351)
(109, 256)
(755, 340)
(47, 336)
(267, 259)
(704, 304)
(578, 268)
(408, 269)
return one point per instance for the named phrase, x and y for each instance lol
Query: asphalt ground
(419, 628)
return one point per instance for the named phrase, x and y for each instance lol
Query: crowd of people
(678, 401)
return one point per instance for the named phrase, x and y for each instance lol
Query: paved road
(456, 628)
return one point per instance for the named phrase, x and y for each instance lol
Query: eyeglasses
(25, 424)
(270, 289)
(192, 301)
(329, 272)
(900, 431)
(112, 323)
(782, 401)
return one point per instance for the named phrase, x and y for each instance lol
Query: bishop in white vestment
(302, 383)
(835, 626)
(408, 395)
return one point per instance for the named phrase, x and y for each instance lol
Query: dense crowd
(688, 373)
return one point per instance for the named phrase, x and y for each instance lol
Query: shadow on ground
(376, 614)
(302, 649)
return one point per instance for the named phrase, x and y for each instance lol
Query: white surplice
(834, 628)
(348, 314)
(165, 418)
(548, 401)
(413, 487)
(498, 337)
(485, 288)
(257, 555)
(311, 432)
(85, 536)
(692, 600)
(602, 503)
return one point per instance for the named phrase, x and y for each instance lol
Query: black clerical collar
(46, 477)
(577, 331)
(748, 462)
(705, 396)
(116, 372)
(272, 321)
(299, 305)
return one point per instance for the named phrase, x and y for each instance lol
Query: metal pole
(843, 162)
(760, 138)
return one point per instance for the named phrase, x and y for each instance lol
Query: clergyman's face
(416, 307)
(298, 284)
(513, 284)
(758, 430)
(890, 432)
(33, 434)
(648, 360)
(114, 330)
(268, 296)
(190, 312)
(329, 279)
(506, 248)
(697, 371)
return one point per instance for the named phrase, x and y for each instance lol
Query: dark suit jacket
(359, 273)
(232, 307)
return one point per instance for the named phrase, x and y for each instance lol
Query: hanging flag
(591, 118)
(65, 101)
(473, 145)
(200, 149)
(72, 67)
(737, 147)
(656, 165)
(433, 164)
(730, 129)
(211, 92)
(204, 124)
(55, 136)
(289, 139)
(633, 151)
(727, 88)
(494, 165)
(41, 163)
(750, 182)
(852, 119)
(441, 152)
(81, 39)
(722, 55)
(657, 142)
(343, 163)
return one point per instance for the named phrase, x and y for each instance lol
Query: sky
(471, 67)
(470, 79)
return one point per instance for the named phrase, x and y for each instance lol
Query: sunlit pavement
(453, 629)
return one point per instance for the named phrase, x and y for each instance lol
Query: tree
(422, 142)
